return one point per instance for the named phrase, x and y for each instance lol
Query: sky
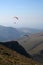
(29, 12)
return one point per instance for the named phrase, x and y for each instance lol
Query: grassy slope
(10, 57)
(32, 43)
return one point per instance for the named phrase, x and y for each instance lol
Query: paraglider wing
(16, 17)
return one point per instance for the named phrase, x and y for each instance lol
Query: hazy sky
(29, 12)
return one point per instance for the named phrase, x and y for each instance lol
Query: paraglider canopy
(16, 18)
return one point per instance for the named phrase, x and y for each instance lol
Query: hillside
(11, 57)
(32, 42)
(14, 45)
(33, 45)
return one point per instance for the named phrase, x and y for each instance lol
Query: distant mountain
(10, 33)
(29, 30)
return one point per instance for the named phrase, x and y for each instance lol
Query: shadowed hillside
(39, 56)
(14, 45)
(12, 57)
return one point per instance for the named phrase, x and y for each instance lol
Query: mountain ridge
(10, 33)
(14, 45)
(11, 57)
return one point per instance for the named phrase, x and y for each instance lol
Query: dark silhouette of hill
(41, 52)
(14, 45)
(39, 56)
(11, 57)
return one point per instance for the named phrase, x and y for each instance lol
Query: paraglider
(16, 19)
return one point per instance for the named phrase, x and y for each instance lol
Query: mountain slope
(11, 57)
(14, 45)
(33, 45)
(31, 42)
